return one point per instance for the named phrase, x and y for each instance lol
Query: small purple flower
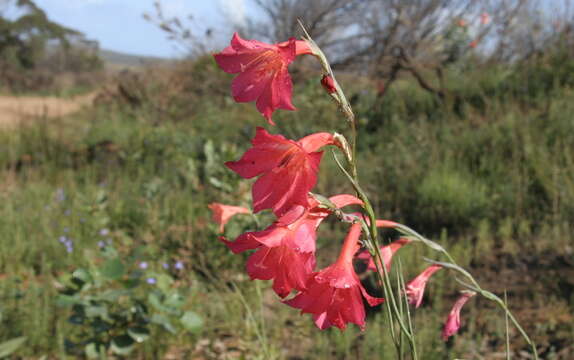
(104, 232)
(66, 229)
(179, 265)
(151, 281)
(101, 244)
(165, 266)
(143, 265)
(63, 239)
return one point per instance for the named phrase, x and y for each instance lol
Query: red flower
(452, 323)
(263, 74)
(416, 288)
(484, 18)
(222, 213)
(286, 249)
(288, 169)
(473, 44)
(334, 295)
(387, 253)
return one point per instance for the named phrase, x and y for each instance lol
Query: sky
(119, 25)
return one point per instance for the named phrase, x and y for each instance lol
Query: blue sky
(119, 25)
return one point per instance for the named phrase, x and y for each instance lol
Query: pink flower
(222, 213)
(416, 287)
(334, 295)
(452, 323)
(387, 253)
(286, 249)
(287, 169)
(262, 68)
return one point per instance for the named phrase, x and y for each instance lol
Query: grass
(488, 174)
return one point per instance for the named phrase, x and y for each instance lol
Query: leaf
(92, 350)
(139, 333)
(156, 301)
(122, 345)
(8, 347)
(113, 269)
(82, 274)
(67, 300)
(159, 319)
(100, 311)
(191, 321)
(175, 300)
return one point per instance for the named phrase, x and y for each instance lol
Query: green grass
(489, 173)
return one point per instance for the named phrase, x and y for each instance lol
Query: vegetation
(487, 171)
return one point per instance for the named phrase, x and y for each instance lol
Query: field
(104, 217)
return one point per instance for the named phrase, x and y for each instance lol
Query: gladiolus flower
(452, 323)
(416, 288)
(387, 253)
(473, 44)
(334, 295)
(286, 249)
(222, 213)
(461, 23)
(287, 169)
(263, 75)
(328, 84)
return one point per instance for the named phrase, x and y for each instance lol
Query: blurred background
(115, 122)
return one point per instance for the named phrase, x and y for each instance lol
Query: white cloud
(234, 10)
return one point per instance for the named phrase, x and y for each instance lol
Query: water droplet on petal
(346, 286)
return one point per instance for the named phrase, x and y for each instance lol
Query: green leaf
(93, 311)
(159, 319)
(83, 275)
(175, 300)
(157, 302)
(93, 349)
(191, 321)
(113, 269)
(8, 347)
(139, 333)
(113, 295)
(67, 300)
(122, 345)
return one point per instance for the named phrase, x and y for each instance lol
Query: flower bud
(328, 84)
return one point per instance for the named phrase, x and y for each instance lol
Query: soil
(17, 110)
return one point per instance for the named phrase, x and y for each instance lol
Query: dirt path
(16, 110)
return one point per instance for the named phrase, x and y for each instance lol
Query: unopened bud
(328, 84)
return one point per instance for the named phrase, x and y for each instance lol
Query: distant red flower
(328, 84)
(334, 295)
(387, 253)
(222, 213)
(287, 169)
(473, 44)
(452, 323)
(416, 287)
(461, 23)
(286, 249)
(262, 68)
(484, 18)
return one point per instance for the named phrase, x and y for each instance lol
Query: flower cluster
(286, 172)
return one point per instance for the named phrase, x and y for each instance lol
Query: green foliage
(108, 304)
